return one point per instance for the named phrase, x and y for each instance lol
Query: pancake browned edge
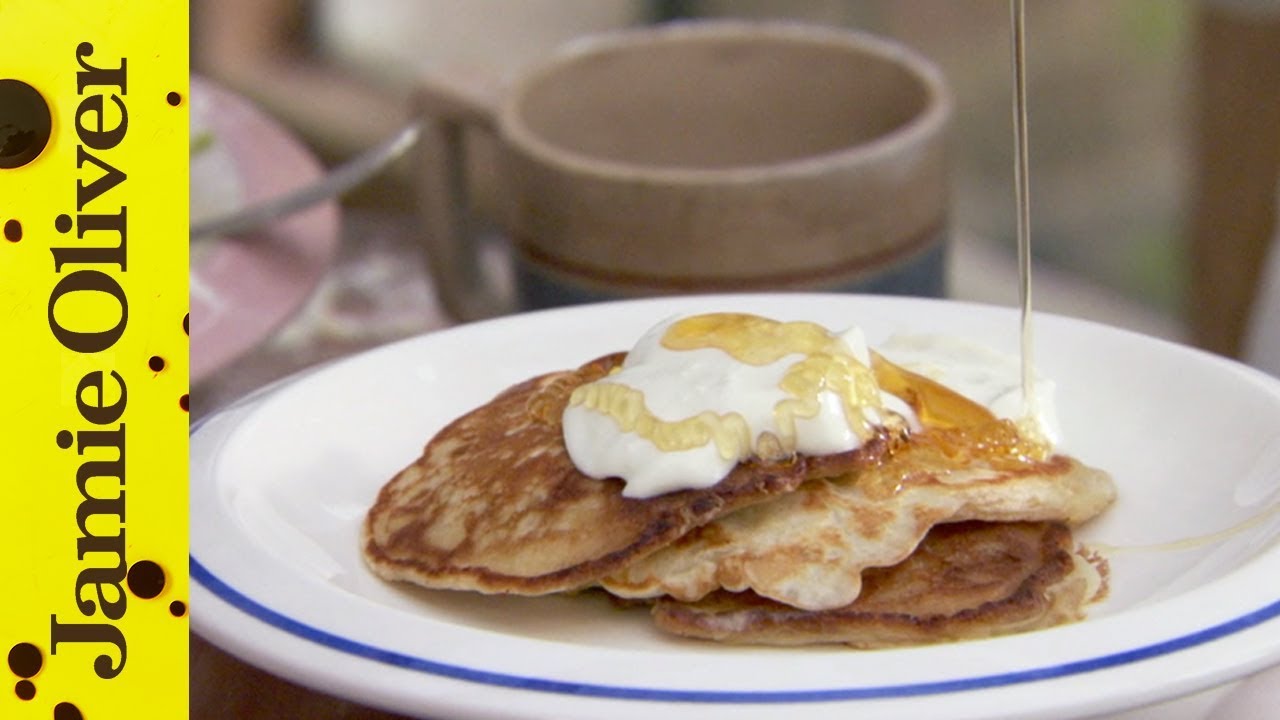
(496, 505)
(809, 548)
(965, 581)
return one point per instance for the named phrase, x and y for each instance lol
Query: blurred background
(1114, 95)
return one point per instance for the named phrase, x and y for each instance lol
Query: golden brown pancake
(810, 548)
(965, 581)
(496, 505)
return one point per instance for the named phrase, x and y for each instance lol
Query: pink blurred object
(243, 291)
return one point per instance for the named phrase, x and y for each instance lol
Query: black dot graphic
(25, 660)
(174, 99)
(12, 230)
(25, 689)
(184, 402)
(177, 608)
(145, 579)
(156, 363)
(25, 123)
(64, 439)
(62, 223)
(186, 323)
(66, 711)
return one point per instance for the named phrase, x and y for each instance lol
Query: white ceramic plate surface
(280, 483)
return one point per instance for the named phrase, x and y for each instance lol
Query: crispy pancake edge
(833, 531)
(1055, 592)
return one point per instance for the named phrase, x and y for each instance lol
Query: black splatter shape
(66, 711)
(145, 579)
(25, 123)
(156, 363)
(12, 230)
(177, 608)
(25, 660)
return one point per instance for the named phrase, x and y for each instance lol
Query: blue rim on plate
(251, 607)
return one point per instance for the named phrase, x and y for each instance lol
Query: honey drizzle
(935, 404)
(1030, 402)
(1194, 541)
(827, 365)
(958, 435)
(935, 454)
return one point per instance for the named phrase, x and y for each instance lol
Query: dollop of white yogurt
(680, 384)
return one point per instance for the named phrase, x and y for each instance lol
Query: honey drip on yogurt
(936, 405)
(626, 406)
(826, 364)
(958, 435)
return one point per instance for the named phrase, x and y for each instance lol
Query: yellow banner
(94, 358)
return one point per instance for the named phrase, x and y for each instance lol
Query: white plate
(281, 481)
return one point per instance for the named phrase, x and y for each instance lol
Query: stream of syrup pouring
(1031, 409)
(1031, 405)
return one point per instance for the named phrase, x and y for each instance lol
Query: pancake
(810, 548)
(965, 581)
(495, 504)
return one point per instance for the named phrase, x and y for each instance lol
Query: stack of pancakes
(959, 530)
